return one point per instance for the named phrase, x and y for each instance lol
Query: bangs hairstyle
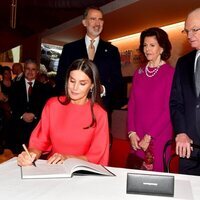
(161, 37)
(90, 69)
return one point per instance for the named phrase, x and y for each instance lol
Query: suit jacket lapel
(83, 48)
(99, 51)
(23, 87)
(191, 60)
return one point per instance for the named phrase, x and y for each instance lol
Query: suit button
(197, 106)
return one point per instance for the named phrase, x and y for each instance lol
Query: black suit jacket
(21, 130)
(107, 60)
(19, 102)
(184, 103)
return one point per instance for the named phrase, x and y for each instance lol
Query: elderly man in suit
(104, 55)
(27, 100)
(185, 98)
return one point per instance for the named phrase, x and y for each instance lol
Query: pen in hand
(24, 146)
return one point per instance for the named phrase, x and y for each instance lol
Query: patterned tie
(30, 88)
(197, 76)
(91, 50)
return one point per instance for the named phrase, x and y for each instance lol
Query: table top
(85, 187)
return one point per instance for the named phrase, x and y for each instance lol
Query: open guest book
(65, 170)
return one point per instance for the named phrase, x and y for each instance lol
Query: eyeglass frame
(193, 31)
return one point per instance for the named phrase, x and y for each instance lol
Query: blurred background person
(17, 70)
(45, 80)
(5, 95)
(28, 97)
(149, 124)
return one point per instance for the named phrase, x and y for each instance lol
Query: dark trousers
(190, 166)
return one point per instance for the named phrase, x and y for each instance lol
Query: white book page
(71, 165)
(44, 170)
(75, 165)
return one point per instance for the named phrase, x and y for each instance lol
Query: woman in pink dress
(74, 125)
(149, 124)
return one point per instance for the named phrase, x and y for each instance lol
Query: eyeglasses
(193, 31)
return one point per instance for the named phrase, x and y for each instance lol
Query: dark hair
(90, 69)
(85, 14)
(161, 37)
(30, 61)
(5, 68)
(18, 65)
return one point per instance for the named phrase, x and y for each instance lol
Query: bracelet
(131, 133)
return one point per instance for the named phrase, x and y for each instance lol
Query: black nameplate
(150, 184)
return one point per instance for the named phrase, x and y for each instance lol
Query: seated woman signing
(74, 125)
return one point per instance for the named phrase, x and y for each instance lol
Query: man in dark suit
(27, 100)
(106, 57)
(185, 99)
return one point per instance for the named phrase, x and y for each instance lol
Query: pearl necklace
(151, 73)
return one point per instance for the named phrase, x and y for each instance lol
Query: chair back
(120, 147)
(171, 164)
(119, 124)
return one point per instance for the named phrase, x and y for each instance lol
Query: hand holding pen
(26, 158)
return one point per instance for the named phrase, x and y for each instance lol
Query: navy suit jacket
(184, 103)
(107, 60)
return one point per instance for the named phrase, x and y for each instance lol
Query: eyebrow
(79, 80)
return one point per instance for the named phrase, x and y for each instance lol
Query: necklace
(152, 73)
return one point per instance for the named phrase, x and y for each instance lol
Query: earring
(91, 90)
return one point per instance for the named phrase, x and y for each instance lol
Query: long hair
(90, 69)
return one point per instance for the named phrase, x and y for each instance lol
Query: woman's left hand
(144, 143)
(56, 158)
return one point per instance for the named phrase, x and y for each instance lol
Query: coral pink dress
(148, 109)
(61, 130)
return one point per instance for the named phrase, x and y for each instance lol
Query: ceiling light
(168, 27)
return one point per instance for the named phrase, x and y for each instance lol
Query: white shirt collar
(197, 53)
(20, 75)
(88, 39)
(33, 81)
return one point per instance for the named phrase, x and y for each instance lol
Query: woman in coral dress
(74, 125)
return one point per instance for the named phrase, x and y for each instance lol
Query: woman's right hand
(134, 139)
(24, 159)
